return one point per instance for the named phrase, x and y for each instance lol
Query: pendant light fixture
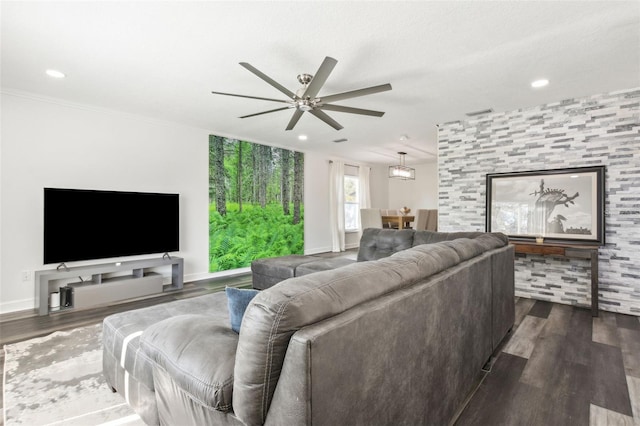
(401, 171)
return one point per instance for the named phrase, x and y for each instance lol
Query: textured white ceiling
(443, 59)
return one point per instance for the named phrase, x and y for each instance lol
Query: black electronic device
(89, 224)
(66, 297)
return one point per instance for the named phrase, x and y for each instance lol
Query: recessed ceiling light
(540, 83)
(55, 74)
(302, 137)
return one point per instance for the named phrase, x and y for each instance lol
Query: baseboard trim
(17, 305)
(221, 274)
(317, 250)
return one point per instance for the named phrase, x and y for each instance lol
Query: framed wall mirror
(561, 205)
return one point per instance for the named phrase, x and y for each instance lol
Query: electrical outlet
(26, 275)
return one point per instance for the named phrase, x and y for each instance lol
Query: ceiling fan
(306, 98)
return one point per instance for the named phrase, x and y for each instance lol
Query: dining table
(400, 221)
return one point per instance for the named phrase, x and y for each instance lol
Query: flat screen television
(88, 224)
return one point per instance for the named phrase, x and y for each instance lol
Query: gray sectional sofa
(397, 340)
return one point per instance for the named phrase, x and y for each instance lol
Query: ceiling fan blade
(294, 119)
(320, 77)
(265, 112)
(356, 93)
(268, 79)
(324, 117)
(340, 108)
(250, 97)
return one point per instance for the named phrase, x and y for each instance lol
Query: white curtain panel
(336, 205)
(364, 191)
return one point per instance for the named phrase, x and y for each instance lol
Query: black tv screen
(86, 224)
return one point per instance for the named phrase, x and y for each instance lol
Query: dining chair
(370, 218)
(432, 220)
(427, 220)
(421, 219)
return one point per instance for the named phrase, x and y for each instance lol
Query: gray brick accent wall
(596, 130)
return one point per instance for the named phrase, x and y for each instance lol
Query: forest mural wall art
(255, 202)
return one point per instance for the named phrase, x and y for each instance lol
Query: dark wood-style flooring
(559, 365)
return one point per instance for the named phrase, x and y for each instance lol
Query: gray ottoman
(270, 271)
(126, 368)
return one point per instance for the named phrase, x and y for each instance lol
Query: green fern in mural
(238, 238)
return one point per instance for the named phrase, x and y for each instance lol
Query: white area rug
(57, 380)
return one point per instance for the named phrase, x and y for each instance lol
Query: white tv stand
(102, 289)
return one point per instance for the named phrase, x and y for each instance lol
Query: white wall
(50, 144)
(317, 237)
(421, 193)
(379, 182)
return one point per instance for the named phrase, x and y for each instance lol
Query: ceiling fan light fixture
(400, 171)
(304, 105)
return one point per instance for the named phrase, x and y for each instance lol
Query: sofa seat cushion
(322, 265)
(198, 353)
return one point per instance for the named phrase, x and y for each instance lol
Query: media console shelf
(102, 289)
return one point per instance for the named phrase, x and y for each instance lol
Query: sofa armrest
(503, 293)
(291, 404)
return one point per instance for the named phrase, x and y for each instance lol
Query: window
(351, 203)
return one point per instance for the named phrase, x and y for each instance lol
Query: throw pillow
(238, 299)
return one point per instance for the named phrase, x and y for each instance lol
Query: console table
(569, 251)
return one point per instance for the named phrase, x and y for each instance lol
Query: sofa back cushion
(378, 243)
(278, 312)
(430, 237)
(487, 239)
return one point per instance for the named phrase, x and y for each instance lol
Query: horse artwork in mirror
(562, 205)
